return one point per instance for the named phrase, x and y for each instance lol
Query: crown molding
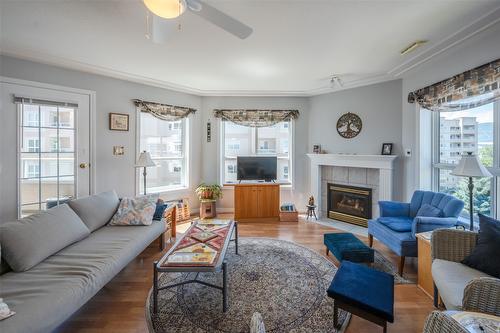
(470, 30)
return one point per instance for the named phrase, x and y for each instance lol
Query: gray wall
(474, 52)
(112, 95)
(378, 106)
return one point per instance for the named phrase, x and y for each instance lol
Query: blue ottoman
(364, 292)
(345, 246)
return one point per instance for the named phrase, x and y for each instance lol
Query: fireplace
(349, 204)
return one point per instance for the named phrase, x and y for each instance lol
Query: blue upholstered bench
(345, 246)
(364, 292)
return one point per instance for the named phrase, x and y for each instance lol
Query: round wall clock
(349, 125)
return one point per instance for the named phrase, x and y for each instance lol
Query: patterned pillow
(135, 211)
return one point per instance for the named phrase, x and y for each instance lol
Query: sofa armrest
(439, 322)
(482, 295)
(394, 208)
(425, 223)
(452, 244)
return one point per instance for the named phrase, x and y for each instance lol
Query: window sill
(167, 190)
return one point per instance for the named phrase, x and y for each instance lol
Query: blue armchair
(399, 222)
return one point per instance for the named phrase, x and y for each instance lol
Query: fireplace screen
(350, 204)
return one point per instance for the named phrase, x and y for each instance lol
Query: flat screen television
(257, 167)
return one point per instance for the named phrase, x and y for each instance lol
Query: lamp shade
(145, 160)
(168, 9)
(470, 166)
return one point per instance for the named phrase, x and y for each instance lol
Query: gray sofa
(62, 257)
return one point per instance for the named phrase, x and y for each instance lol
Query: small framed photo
(387, 149)
(118, 150)
(317, 149)
(118, 122)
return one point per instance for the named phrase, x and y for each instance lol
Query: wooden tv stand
(254, 202)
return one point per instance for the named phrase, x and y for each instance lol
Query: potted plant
(207, 192)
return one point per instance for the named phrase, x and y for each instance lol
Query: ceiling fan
(167, 10)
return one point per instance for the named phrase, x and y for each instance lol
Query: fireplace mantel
(384, 163)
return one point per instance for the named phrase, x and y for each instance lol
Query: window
(47, 172)
(166, 142)
(461, 132)
(246, 141)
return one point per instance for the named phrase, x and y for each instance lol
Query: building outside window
(240, 140)
(166, 141)
(461, 132)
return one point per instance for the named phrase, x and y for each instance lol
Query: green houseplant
(207, 192)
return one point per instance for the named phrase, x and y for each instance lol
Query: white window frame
(291, 145)
(185, 160)
(495, 169)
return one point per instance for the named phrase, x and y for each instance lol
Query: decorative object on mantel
(145, 161)
(387, 149)
(470, 166)
(349, 125)
(470, 89)
(163, 111)
(256, 118)
(317, 149)
(118, 150)
(118, 122)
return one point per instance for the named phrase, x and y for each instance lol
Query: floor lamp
(145, 161)
(470, 166)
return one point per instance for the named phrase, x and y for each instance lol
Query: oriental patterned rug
(282, 280)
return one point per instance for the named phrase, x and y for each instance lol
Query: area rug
(282, 280)
(383, 264)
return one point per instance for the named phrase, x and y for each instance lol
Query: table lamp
(470, 166)
(145, 161)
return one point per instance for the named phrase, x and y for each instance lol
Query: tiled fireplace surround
(361, 177)
(371, 171)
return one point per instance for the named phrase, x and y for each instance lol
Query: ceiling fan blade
(162, 29)
(219, 18)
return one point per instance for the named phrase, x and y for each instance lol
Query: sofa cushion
(28, 241)
(427, 210)
(50, 292)
(135, 211)
(450, 279)
(484, 256)
(398, 224)
(96, 210)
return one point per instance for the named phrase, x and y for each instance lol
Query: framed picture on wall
(387, 149)
(118, 122)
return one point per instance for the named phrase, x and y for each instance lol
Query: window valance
(470, 89)
(256, 118)
(163, 111)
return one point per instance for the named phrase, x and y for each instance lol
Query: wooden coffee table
(219, 264)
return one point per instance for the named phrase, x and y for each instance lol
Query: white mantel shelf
(384, 163)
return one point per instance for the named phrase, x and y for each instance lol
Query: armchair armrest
(482, 295)
(452, 244)
(394, 208)
(439, 322)
(426, 223)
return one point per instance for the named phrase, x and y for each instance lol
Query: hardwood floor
(119, 306)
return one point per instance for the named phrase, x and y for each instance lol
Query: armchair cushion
(484, 256)
(399, 224)
(423, 223)
(427, 210)
(393, 208)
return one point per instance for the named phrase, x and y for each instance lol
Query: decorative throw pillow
(484, 257)
(427, 210)
(135, 211)
(160, 208)
(475, 322)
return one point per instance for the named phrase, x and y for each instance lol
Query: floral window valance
(163, 111)
(256, 118)
(470, 89)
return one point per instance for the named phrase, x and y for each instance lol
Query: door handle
(84, 165)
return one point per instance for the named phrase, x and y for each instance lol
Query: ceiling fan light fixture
(168, 9)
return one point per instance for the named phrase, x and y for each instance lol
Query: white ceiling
(295, 46)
